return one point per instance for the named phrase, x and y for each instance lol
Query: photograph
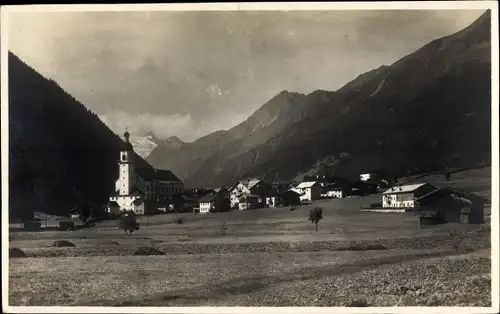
(250, 155)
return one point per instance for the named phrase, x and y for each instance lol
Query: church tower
(126, 167)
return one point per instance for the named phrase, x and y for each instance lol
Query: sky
(189, 73)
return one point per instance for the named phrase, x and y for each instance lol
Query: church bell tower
(126, 167)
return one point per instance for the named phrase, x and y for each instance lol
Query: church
(139, 189)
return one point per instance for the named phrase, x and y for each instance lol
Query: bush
(16, 253)
(62, 243)
(148, 251)
(127, 222)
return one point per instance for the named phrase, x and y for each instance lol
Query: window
(124, 157)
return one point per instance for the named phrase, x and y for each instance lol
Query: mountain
(143, 145)
(173, 143)
(429, 110)
(278, 114)
(60, 153)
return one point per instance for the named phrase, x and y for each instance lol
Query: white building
(404, 196)
(216, 201)
(247, 187)
(366, 176)
(309, 190)
(336, 193)
(141, 189)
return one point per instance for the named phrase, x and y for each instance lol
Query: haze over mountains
(431, 109)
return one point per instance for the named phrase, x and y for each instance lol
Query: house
(250, 186)
(338, 189)
(310, 190)
(190, 201)
(250, 201)
(336, 193)
(404, 196)
(367, 176)
(216, 201)
(153, 187)
(274, 201)
(453, 205)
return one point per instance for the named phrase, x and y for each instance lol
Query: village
(153, 191)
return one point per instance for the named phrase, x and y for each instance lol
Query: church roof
(157, 174)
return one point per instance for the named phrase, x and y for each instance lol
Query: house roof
(290, 191)
(191, 198)
(138, 201)
(249, 196)
(459, 192)
(404, 188)
(306, 184)
(299, 192)
(157, 174)
(252, 183)
(207, 198)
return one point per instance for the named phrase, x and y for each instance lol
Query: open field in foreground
(269, 257)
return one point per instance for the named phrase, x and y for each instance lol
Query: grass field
(268, 257)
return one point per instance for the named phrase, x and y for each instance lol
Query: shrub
(16, 253)
(62, 243)
(127, 222)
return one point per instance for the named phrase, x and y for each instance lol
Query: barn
(453, 205)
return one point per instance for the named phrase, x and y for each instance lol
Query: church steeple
(126, 165)
(126, 144)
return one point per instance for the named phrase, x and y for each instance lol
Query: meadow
(266, 257)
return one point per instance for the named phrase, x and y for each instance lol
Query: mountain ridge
(388, 94)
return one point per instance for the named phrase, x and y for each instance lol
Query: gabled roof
(138, 201)
(299, 192)
(157, 174)
(245, 196)
(455, 191)
(404, 188)
(252, 183)
(306, 184)
(291, 191)
(207, 198)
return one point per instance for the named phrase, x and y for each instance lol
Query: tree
(315, 215)
(128, 222)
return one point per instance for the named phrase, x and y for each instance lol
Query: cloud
(161, 125)
(185, 68)
(165, 125)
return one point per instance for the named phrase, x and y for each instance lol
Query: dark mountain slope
(275, 116)
(429, 109)
(60, 153)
